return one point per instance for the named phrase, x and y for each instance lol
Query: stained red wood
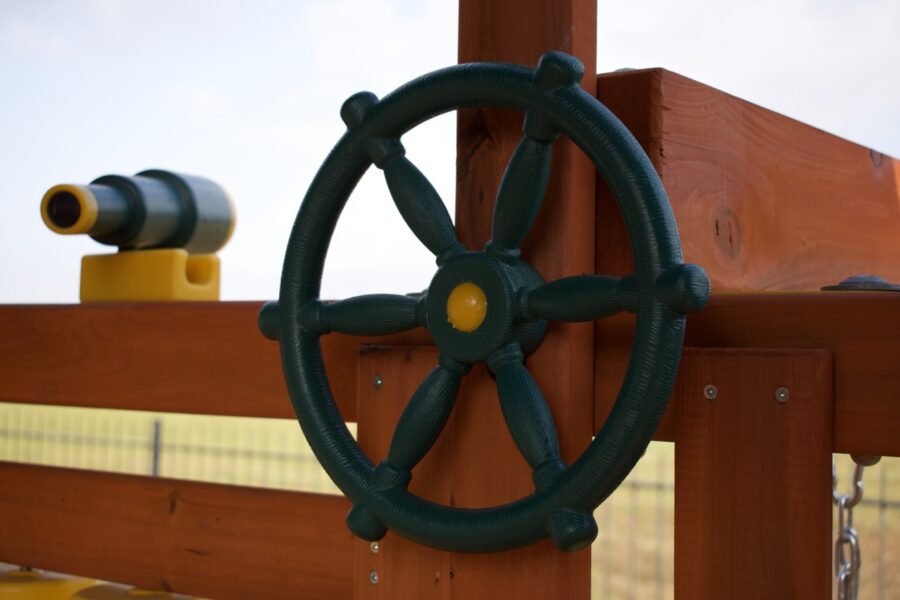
(762, 201)
(859, 328)
(752, 478)
(203, 357)
(486, 467)
(405, 569)
(208, 540)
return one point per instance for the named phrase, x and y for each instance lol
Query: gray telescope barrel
(153, 209)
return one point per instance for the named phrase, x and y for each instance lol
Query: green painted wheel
(506, 304)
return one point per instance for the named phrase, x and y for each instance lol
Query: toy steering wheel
(486, 306)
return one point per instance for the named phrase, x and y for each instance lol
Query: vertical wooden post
(475, 463)
(399, 568)
(752, 475)
(485, 466)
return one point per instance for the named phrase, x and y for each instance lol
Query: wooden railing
(210, 358)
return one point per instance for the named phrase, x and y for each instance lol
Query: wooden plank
(752, 479)
(209, 540)
(486, 468)
(191, 357)
(404, 569)
(859, 328)
(763, 202)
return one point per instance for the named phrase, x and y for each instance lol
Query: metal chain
(847, 561)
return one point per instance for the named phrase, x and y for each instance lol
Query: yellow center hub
(466, 307)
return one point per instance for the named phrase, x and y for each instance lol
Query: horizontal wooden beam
(188, 357)
(202, 539)
(209, 359)
(762, 201)
(859, 328)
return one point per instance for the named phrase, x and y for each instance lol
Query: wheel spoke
(425, 415)
(371, 314)
(421, 207)
(418, 202)
(527, 415)
(524, 182)
(521, 192)
(418, 429)
(579, 298)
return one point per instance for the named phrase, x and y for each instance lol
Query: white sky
(248, 94)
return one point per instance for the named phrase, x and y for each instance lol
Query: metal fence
(632, 557)
(255, 452)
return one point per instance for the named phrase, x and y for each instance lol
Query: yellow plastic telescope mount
(148, 275)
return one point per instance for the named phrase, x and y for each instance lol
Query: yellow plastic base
(156, 275)
(19, 584)
(112, 591)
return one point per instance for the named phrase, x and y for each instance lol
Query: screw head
(710, 391)
(374, 547)
(782, 395)
(373, 577)
(377, 382)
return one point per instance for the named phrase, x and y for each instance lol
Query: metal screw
(782, 395)
(373, 577)
(374, 547)
(378, 382)
(710, 392)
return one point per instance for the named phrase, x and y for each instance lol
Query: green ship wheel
(488, 306)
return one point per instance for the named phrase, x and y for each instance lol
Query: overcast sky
(248, 94)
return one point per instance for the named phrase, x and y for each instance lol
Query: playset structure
(775, 375)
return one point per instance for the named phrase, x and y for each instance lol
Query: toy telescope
(166, 225)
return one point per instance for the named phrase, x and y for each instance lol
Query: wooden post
(396, 567)
(478, 465)
(752, 476)
(485, 467)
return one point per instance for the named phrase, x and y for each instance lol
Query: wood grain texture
(405, 569)
(752, 479)
(208, 540)
(486, 467)
(859, 328)
(191, 357)
(490, 471)
(763, 202)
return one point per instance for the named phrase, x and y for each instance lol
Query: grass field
(631, 559)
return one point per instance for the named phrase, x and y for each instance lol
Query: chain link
(847, 561)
